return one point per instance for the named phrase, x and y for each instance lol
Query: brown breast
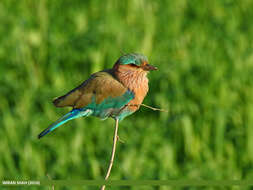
(135, 80)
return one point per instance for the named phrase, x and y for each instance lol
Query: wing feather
(101, 85)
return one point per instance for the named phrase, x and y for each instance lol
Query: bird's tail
(75, 113)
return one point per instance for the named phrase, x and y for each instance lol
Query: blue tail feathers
(75, 113)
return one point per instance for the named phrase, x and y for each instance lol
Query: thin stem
(144, 105)
(115, 138)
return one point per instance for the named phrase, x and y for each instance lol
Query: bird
(112, 93)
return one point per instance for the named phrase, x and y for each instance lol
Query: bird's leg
(115, 138)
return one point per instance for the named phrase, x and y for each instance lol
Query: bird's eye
(133, 65)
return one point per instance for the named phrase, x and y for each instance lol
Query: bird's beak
(149, 67)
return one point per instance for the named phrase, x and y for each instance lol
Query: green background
(204, 53)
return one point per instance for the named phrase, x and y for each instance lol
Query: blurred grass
(204, 53)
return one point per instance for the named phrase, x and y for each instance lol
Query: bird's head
(134, 62)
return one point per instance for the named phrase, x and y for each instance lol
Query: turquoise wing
(110, 106)
(102, 93)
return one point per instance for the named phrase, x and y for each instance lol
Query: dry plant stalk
(152, 108)
(116, 138)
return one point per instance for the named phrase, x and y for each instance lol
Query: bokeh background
(204, 53)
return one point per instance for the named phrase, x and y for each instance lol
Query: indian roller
(115, 93)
